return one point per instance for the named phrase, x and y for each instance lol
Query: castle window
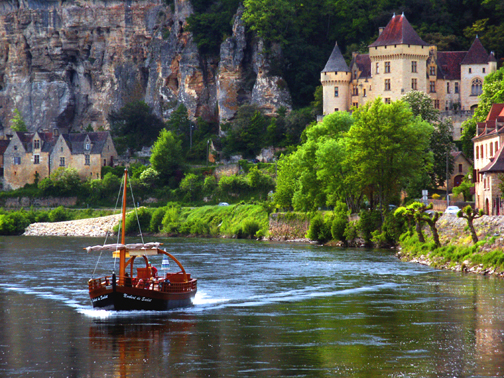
(36, 159)
(104, 162)
(414, 84)
(387, 100)
(387, 84)
(36, 144)
(470, 70)
(447, 87)
(356, 104)
(87, 160)
(414, 66)
(336, 109)
(432, 87)
(476, 87)
(432, 71)
(17, 160)
(483, 69)
(456, 87)
(436, 104)
(62, 161)
(336, 92)
(377, 67)
(355, 90)
(364, 92)
(387, 67)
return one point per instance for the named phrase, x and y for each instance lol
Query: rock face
(67, 64)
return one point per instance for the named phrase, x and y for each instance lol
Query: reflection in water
(133, 342)
(262, 309)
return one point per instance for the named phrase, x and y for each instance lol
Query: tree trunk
(435, 235)
(419, 232)
(473, 231)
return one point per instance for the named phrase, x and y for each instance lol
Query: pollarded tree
(431, 219)
(469, 214)
(389, 146)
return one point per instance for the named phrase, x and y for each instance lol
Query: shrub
(319, 229)
(369, 222)
(58, 215)
(156, 222)
(436, 196)
(250, 228)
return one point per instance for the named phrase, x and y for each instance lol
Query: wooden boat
(143, 289)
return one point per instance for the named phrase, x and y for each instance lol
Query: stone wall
(25, 202)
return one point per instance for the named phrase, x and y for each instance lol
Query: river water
(262, 310)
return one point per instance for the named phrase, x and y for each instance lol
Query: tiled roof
(364, 64)
(336, 62)
(76, 142)
(399, 32)
(476, 54)
(496, 163)
(449, 62)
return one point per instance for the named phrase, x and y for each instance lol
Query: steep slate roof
(399, 32)
(363, 63)
(4, 143)
(76, 142)
(476, 54)
(496, 163)
(47, 141)
(336, 62)
(449, 62)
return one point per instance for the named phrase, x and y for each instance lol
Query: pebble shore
(92, 227)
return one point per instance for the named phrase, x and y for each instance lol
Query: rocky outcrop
(67, 64)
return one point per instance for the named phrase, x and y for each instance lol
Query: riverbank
(458, 253)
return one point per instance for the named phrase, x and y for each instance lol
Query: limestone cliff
(67, 64)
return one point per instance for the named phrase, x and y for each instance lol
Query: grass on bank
(453, 254)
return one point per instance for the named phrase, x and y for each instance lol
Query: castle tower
(399, 61)
(335, 79)
(474, 67)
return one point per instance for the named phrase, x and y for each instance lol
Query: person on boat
(127, 280)
(154, 271)
(140, 283)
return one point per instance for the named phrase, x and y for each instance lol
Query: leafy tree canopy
(134, 126)
(166, 156)
(17, 122)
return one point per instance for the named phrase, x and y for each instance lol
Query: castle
(399, 61)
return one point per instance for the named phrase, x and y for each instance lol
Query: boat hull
(129, 298)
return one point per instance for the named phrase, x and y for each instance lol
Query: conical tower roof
(476, 54)
(336, 62)
(399, 32)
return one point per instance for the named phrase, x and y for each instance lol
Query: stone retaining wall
(19, 202)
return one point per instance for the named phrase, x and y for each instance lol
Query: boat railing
(162, 285)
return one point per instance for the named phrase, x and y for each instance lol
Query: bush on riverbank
(451, 255)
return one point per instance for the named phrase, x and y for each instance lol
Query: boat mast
(122, 251)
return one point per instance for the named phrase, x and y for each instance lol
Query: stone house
(489, 161)
(461, 167)
(87, 152)
(27, 157)
(38, 154)
(399, 61)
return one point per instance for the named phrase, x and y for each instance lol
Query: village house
(461, 167)
(35, 155)
(399, 61)
(489, 161)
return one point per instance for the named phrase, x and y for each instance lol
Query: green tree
(465, 188)
(388, 147)
(441, 142)
(134, 126)
(191, 184)
(166, 156)
(17, 122)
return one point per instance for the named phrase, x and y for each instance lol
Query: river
(262, 310)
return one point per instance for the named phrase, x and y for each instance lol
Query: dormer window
(15, 148)
(36, 144)
(432, 71)
(88, 146)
